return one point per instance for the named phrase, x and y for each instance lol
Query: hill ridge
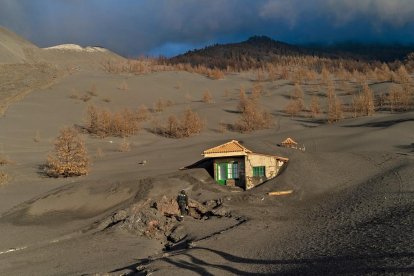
(260, 49)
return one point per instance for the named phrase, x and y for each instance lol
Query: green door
(221, 173)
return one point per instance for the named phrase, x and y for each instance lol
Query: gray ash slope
(351, 212)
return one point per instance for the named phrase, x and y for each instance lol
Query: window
(259, 171)
(233, 170)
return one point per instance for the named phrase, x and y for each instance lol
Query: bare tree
(335, 110)
(207, 97)
(315, 107)
(252, 117)
(70, 157)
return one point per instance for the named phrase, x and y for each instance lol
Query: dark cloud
(134, 27)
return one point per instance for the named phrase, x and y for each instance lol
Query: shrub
(284, 73)
(143, 113)
(242, 100)
(315, 107)
(123, 86)
(403, 76)
(325, 76)
(4, 160)
(399, 99)
(260, 75)
(298, 91)
(173, 125)
(257, 91)
(4, 178)
(358, 105)
(294, 107)
(191, 123)
(70, 157)
(125, 145)
(207, 97)
(187, 125)
(369, 106)
(296, 104)
(363, 103)
(335, 109)
(215, 74)
(162, 104)
(252, 117)
(123, 123)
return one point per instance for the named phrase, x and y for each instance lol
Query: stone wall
(272, 166)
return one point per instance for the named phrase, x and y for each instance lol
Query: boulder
(213, 203)
(197, 207)
(119, 216)
(168, 207)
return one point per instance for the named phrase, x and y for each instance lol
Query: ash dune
(15, 49)
(351, 210)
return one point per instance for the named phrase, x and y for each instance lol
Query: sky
(168, 27)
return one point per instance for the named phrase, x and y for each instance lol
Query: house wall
(240, 161)
(272, 167)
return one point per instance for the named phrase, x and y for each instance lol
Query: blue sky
(168, 27)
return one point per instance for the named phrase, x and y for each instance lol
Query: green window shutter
(259, 171)
(255, 171)
(221, 173)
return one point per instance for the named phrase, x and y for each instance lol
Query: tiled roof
(289, 141)
(229, 147)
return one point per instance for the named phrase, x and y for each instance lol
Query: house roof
(232, 147)
(289, 141)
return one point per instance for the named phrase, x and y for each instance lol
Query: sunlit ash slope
(13, 48)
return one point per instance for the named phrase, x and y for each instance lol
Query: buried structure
(232, 164)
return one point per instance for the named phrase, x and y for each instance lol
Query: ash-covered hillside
(259, 50)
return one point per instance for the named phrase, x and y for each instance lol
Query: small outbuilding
(233, 164)
(289, 143)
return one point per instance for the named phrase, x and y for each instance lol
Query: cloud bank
(136, 27)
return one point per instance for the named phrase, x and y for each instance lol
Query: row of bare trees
(298, 69)
(399, 97)
(102, 122)
(187, 124)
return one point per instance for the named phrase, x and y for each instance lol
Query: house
(233, 164)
